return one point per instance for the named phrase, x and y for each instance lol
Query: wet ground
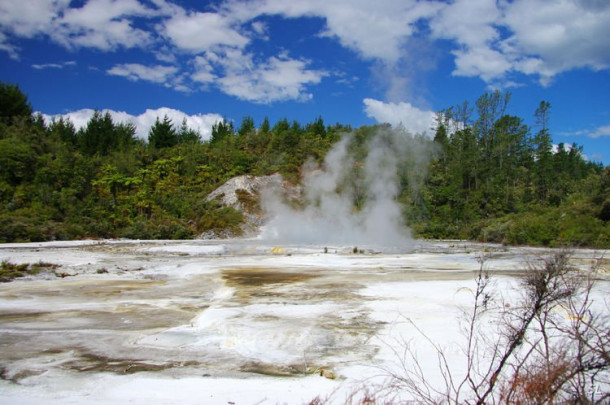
(224, 310)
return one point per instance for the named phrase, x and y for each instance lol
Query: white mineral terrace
(236, 322)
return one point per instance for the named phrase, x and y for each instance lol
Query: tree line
(496, 180)
(490, 179)
(100, 181)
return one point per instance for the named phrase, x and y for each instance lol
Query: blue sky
(350, 61)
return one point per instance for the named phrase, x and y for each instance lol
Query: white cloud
(601, 131)
(11, 50)
(30, 18)
(277, 79)
(533, 37)
(198, 32)
(598, 132)
(198, 122)
(376, 30)
(468, 22)
(165, 54)
(204, 70)
(274, 79)
(103, 24)
(558, 35)
(260, 28)
(412, 118)
(136, 71)
(54, 65)
(472, 25)
(483, 62)
(489, 39)
(567, 148)
(100, 24)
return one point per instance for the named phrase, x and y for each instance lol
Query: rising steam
(352, 197)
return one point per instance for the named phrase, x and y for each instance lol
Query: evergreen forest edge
(491, 178)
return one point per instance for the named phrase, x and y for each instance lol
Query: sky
(354, 62)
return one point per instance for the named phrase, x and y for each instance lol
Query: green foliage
(220, 220)
(188, 135)
(317, 128)
(491, 179)
(157, 229)
(163, 135)
(246, 127)
(63, 130)
(496, 182)
(221, 131)
(18, 160)
(10, 271)
(13, 103)
(102, 136)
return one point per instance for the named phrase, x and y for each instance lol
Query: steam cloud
(331, 193)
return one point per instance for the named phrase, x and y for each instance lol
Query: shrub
(10, 271)
(221, 220)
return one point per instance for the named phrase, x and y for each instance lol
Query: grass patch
(10, 271)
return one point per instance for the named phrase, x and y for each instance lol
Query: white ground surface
(233, 322)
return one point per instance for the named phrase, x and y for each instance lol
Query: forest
(490, 177)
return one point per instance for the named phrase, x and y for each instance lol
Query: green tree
(246, 127)
(490, 108)
(544, 175)
(281, 126)
(222, 130)
(18, 160)
(441, 136)
(162, 134)
(101, 136)
(265, 127)
(13, 103)
(317, 127)
(188, 135)
(63, 130)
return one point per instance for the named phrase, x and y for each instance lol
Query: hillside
(485, 176)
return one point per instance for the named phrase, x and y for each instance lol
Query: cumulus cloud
(471, 24)
(275, 79)
(103, 24)
(201, 123)
(490, 40)
(412, 118)
(496, 41)
(30, 18)
(198, 32)
(136, 71)
(100, 24)
(532, 37)
(551, 37)
(387, 22)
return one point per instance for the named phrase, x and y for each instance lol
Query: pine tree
(162, 134)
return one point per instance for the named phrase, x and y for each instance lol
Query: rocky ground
(234, 321)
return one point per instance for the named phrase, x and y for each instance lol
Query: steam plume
(352, 197)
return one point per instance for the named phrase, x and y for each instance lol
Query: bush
(539, 356)
(157, 229)
(533, 230)
(10, 271)
(221, 220)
